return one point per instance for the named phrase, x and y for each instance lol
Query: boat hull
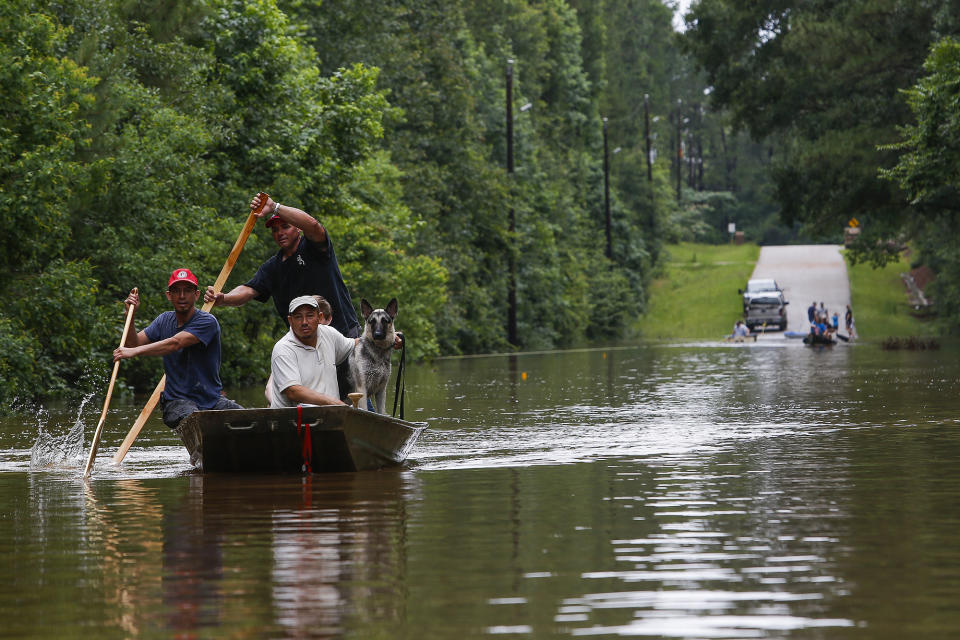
(266, 440)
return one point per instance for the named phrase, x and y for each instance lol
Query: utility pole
(679, 147)
(606, 191)
(727, 163)
(646, 134)
(512, 223)
(697, 142)
(700, 161)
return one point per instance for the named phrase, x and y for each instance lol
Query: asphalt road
(806, 273)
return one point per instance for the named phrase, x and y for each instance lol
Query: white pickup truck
(764, 303)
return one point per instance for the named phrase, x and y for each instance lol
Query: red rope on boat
(307, 446)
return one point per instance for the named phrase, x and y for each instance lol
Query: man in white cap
(304, 361)
(189, 341)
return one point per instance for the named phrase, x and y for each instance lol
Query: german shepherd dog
(370, 361)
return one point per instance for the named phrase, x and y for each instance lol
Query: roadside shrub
(59, 308)
(702, 216)
(614, 304)
(19, 375)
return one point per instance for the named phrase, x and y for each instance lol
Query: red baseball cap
(271, 220)
(182, 275)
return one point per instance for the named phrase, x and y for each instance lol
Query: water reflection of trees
(281, 554)
(122, 529)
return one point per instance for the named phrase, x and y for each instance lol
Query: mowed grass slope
(696, 296)
(881, 307)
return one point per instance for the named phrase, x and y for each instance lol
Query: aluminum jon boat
(295, 440)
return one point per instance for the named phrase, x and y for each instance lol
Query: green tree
(824, 78)
(42, 131)
(134, 136)
(929, 172)
(430, 68)
(135, 133)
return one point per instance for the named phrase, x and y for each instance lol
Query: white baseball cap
(300, 301)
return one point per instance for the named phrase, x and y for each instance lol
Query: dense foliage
(132, 141)
(134, 134)
(823, 84)
(929, 173)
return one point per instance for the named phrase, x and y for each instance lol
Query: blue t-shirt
(312, 270)
(192, 373)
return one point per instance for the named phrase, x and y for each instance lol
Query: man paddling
(304, 265)
(189, 341)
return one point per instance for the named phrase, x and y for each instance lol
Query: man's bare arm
(302, 220)
(238, 297)
(181, 340)
(298, 218)
(136, 339)
(304, 395)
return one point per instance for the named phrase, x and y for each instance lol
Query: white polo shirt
(293, 363)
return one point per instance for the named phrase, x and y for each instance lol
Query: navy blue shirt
(192, 373)
(311, 270)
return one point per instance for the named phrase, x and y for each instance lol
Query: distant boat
(815, 339)
(330, 438)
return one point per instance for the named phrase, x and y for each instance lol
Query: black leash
(399, 391)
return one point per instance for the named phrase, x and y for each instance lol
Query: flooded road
(661, 491)
(807, 274)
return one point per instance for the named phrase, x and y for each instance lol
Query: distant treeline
(859, 102)
(133, 135)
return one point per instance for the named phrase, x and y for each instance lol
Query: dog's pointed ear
(392, 308)
(365, 308)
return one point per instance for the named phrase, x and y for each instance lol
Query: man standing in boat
(189, 341)
(304, 265)
(304, 361)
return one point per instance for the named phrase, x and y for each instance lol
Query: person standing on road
(848, 319)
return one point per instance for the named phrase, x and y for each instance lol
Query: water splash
(50, 450)
(44, 450)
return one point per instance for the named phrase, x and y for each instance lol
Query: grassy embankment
(696, 296)
(880, 304)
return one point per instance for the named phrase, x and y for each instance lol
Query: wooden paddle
(221, 280)
(106, 402)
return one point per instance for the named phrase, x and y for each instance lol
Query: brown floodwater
(657, 491)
